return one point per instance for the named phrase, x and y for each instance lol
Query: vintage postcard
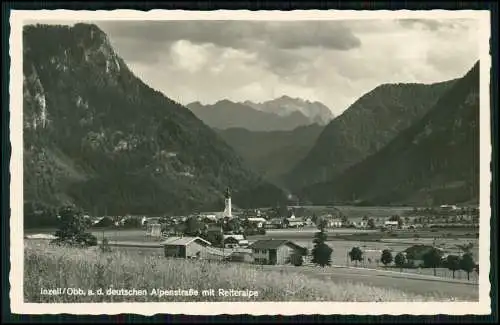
(237, 162)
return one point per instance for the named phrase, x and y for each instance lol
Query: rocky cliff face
(97, 136)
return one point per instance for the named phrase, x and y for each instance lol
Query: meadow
(51, 267)
(372, 242)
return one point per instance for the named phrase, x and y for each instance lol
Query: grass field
(343, 240)
(48, 267)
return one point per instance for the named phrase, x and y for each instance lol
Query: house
(259, 221)
(391, 224)
(293, 222)
(233, 241)
(335, 223)
(211, 217)
(275, 223)
(186, 247)
(275, 252)
(448, 207)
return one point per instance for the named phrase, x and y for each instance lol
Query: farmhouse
(233, 241)
(391, 224)
(274, 252)
(293, 222)
(186, 247)
(259, 221)
(275, 223)
(334, 223)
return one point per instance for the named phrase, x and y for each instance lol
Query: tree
(297, 259)
(467, 264)
(356, 254)
(432, 258)
(321, 252)
(398, 219)
(400, 260)
(466, 248)
(104, 223)
(321, 223)
(233, 225)
(314, 218)
(193, 227)
(73, 228)
(453, 263)
(215, 237)
(105, 248)
(371, 223)
(386, 257)
(132, 223)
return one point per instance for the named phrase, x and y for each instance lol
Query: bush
(386, 257)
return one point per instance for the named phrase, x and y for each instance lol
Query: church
(227, 212)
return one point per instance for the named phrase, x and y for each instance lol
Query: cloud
(434, 25)
(334, 62)
(238, 34)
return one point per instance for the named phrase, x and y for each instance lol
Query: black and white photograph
(273, 157)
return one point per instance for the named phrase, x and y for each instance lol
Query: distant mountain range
(273, 153)
(316, 112)
(434, 161)
(368, 125)
(96, 136)
(281, 114)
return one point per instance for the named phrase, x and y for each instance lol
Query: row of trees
(432, 258)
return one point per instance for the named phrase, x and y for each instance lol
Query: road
(417, 284)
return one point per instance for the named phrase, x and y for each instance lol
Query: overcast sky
(334, 62)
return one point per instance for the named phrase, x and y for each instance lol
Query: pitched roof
(182, 240)
(237, 237)
(273, 243)
(296, 219)
(259, 219)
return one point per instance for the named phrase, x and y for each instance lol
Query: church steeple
(227, 204)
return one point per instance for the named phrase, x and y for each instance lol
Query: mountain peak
(286, 105)
(91, 126)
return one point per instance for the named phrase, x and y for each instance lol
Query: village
(258, 236)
